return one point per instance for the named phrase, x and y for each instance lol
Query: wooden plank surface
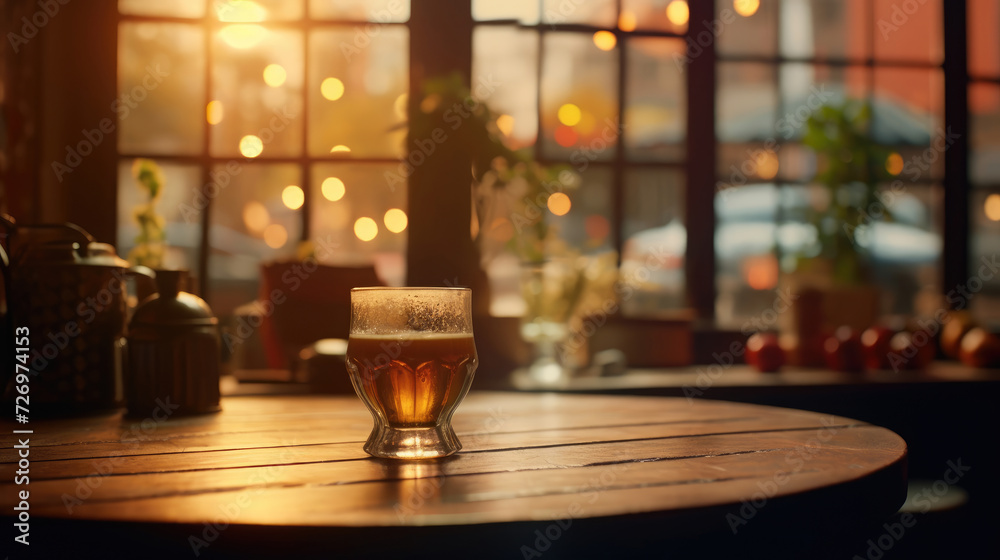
(525, 457)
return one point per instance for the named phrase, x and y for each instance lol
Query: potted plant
(833, 279)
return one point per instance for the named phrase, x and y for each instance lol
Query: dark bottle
(173, 352)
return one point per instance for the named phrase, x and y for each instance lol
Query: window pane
(906, 251)
(824, 29)
(176, 8)
(908, 111)
(525, 11)
(161, 84)
(344, 193)
(361, 10)
(983, 40)
(807, 87)
(258, 89)
(745, 249)
(656, 100)
(357, 97)
(743, 35)
(508, 57)
(659, 15)
(984, 221)
(655, 240)
(593, 12)
(910, 31)
(746, 101)
(177, 205)
(580, 80)
(984, 141)
(251, 224)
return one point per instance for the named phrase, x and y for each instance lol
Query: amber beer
(412, 378)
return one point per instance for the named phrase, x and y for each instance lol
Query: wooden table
(541, 475)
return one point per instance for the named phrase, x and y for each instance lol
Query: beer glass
(411, 358)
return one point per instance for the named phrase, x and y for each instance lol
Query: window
(273, 123)
(984, 156)
(599, 88)
(777, 63)
(604, 88)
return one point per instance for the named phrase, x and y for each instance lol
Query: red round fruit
(843, 351)
(979, 348)
(875, 342)
(911, 350)
(764, 352)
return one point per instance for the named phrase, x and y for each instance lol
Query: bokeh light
(678, 13)
(506, 124)
(332, 89)
(214, 112)
(333, 189)
(275, 75)
(340, 148)
(242, 36)
(992, 207)
(626, 21)
(559, 204)
(255, 216)
(767, 164)
(894, 163)
(275, 236)
(566, 136)
(746, 8)
(395, 220)
(569, 114)
(605, 40)
(293, 197)
(251, 146)
(365, 229)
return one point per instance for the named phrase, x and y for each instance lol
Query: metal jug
(66, 293)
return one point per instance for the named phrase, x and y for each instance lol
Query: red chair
(315, 303)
